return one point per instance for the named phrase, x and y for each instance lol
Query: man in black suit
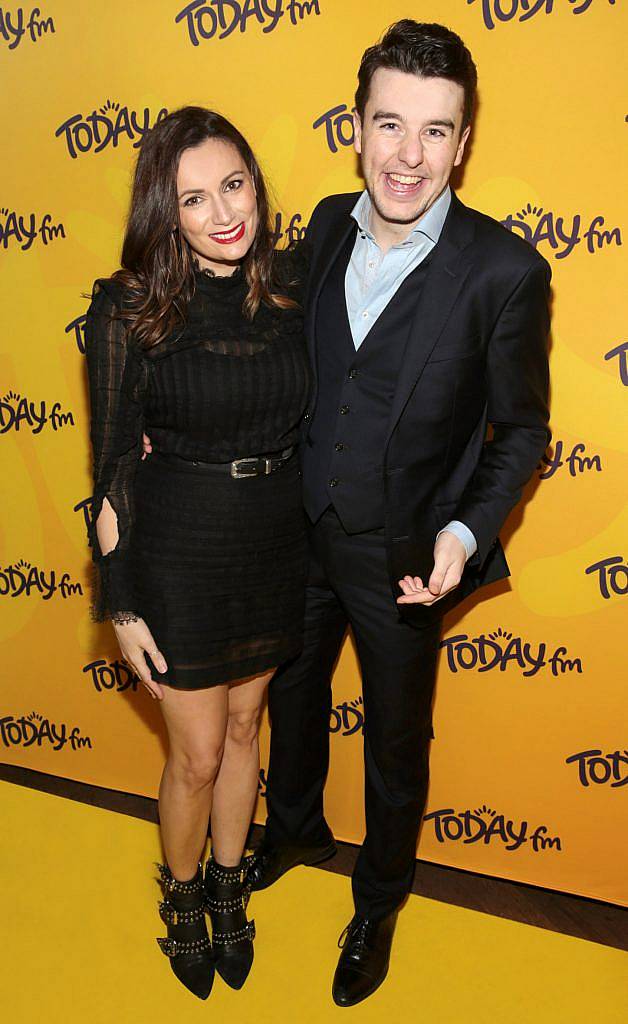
(427, 322)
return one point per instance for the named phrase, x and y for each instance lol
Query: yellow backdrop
(528, 769)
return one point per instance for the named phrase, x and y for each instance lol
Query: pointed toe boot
(187, 944)
(227, 896)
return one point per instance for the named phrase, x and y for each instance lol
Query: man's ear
(461, 145)
(357, 132)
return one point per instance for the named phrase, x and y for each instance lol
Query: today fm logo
(620, 353)
(21, 579)
(347, 718)
(28, 730)
(25, 229)
(501, 649)
(111, 676)
(17, 412)
(106, 126)
(494, 11)
(76, 329)
(18, 24)
(537, 226)
(209, 19)
(85, 508)
(595, 768)
(612, 576)
(485, 825)
(290, 229)
(574, 461)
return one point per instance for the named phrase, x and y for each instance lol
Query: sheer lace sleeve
(293, 269)
(117, 385)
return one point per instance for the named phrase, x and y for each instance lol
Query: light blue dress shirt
(373, 277)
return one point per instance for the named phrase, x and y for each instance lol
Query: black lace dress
(214, 565)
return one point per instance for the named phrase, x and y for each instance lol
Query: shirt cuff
(463, 533)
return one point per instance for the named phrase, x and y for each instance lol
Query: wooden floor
(570, 915)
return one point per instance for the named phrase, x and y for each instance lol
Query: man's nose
(411, 152)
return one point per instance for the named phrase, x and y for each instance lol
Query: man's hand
(146, 446)
(450, 557)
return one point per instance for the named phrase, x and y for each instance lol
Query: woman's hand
(135, 639)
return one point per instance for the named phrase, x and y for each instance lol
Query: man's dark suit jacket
(476, 355)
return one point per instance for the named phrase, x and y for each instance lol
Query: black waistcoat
(344, 451)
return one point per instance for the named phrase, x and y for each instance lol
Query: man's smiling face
(409, 141)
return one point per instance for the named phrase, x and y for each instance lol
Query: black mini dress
(215, 565)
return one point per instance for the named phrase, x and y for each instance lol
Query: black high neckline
(214, 282)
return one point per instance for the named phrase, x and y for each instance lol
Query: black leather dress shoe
(364, 960)
(271, 862)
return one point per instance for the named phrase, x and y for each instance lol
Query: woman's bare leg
(235, 788)
(197, 723)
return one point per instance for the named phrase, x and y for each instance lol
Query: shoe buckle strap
(174, 947)
(171, 915)
(226, 906)
(171, 883)
(225, 938)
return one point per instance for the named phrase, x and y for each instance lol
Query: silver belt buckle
(268, 466)
(236, 468)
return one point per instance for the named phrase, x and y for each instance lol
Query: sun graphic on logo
(34, 717)
(485, 810)
(500, 634)
(11, 396)
(22, 564)
(109, 105)
(530, 210)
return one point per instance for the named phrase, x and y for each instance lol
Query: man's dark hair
(420, 48)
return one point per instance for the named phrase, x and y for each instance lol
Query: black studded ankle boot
(232, 935)
(187, 945)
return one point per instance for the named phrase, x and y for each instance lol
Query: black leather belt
(239, 469)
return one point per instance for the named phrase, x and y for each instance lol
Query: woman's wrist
(124, 618)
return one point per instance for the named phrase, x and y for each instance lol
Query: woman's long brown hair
(157, 263)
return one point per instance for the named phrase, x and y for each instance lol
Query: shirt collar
(430, 225)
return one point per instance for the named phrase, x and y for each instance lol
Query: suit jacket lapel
(449, 268)
(321, 265)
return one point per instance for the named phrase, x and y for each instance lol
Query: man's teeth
(406, 179)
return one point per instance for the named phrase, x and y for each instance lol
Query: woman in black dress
(200, 548)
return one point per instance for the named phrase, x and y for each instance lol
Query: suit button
(344, 409)
(333, 482)
(306, 415)
(339, 446)
(352, 374)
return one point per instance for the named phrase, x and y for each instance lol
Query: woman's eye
(236, 183)
(190, 201)
(435, 133)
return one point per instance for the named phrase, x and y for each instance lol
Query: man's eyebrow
(382, 115)
(201, 191)
(442, 123)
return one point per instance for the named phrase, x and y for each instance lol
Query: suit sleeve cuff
(463, 533)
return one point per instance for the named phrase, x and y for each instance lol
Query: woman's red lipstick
(233, 236)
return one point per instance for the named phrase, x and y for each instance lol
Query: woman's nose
(221, 213)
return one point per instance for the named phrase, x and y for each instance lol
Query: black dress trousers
(348, 585)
